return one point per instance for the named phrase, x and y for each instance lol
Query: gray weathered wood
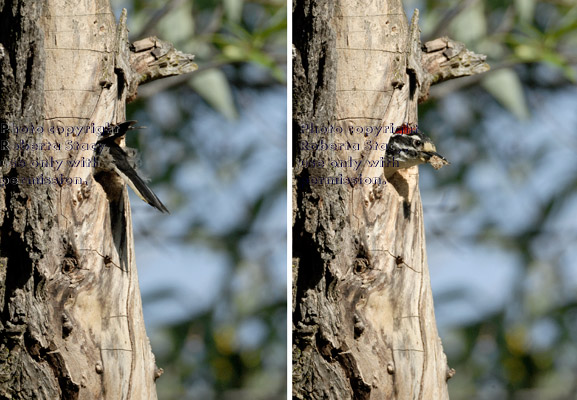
(363, 317)
(71, 323)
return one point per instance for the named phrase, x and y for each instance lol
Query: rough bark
(363, 318)
(71, 323)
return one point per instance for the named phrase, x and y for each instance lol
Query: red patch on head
(406, 129)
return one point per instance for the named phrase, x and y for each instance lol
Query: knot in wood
(69, 264)
(359, 326)
(66, 326)
(360, 266)
(84, 191)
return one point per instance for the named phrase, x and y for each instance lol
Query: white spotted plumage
(405, 150)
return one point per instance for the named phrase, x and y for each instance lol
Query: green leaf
(525, 9)
(214, 88)
(506, 87)
(234, 53)
(233, 9)
(276, 24)
(178, 25)
(527, 53)
(471, 25)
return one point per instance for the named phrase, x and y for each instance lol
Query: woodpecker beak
(429, 154)
(436, 160)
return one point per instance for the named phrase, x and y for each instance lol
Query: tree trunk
(363, 318)
(71, 323)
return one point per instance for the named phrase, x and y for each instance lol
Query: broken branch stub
(152, 58)
(445, 59)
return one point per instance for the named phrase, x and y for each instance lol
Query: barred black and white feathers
(122, 161)
(407, 148)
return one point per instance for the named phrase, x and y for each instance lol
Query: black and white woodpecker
(110, 157)
(408, 147)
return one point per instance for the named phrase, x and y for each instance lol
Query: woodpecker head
(413, 148)
(116, 131)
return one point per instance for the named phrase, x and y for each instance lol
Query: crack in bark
(57, 363)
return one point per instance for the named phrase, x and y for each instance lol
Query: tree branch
(152, 59)
(445, 59)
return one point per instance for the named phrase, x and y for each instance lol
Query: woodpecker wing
(123, 168)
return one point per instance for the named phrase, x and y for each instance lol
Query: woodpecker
(408, 147)
(111, 157)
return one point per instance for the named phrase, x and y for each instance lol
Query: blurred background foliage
(502, 218)
(213, 272)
